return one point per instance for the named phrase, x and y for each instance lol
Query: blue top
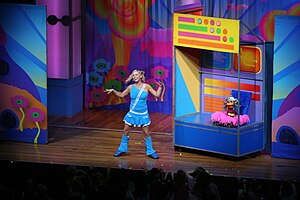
(141, 105)
(138, 113)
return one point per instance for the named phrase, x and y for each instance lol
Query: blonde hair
(142, 73)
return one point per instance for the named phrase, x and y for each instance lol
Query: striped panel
(213, 104)
(215, 91)
(228, 84)
(208, 45)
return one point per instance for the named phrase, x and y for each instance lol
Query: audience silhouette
(59, 182)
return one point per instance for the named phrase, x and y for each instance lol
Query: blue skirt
(137, 119)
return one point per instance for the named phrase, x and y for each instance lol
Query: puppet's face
(230, 103)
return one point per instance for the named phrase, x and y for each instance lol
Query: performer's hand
(109, 90)
(159, 83)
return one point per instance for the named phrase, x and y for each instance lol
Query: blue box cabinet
(195, 131)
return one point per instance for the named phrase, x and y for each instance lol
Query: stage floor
(94, 147)
(110, 120)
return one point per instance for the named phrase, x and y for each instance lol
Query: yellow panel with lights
(209, 33)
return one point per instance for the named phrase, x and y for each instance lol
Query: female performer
(138, 113)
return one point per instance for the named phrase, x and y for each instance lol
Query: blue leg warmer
(149, 149)
(124, 144)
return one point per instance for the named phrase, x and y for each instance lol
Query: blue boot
(149, 149)
(123, 148)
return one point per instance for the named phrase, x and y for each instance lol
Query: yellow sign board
(209, 33)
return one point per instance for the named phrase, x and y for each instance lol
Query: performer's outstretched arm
(119, 94)
(157, 92)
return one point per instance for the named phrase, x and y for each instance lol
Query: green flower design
(113, 84)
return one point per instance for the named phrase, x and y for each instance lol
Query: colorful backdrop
(286, 88)
(257, 22)
(258, 15)
(123, 36)
(23, 74)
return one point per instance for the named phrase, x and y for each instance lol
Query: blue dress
(138, 113)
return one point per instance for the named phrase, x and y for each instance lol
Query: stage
(84, 146)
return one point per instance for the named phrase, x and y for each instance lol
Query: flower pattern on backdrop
(160, 73)
(128, 21)
(117, 85)
(122, 73)
(113, 84)
(101, 65)
(153, 83)
(20, 102)
(98, 95)
(95, 79)
(37, 116)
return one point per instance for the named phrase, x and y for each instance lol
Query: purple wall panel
(58, 51)
(58, 40)
(76, 48)
(76, 8)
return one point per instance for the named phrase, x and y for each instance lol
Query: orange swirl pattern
(267, 24)
(294, 10)
(101, 8)
(129, 19)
